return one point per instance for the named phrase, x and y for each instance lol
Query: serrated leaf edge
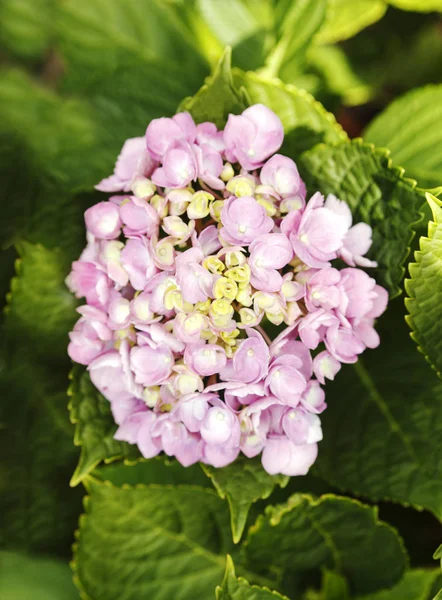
(409, 283)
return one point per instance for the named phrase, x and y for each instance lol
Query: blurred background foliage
(78, 77)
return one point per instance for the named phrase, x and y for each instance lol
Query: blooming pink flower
(285, 381)
(103, 220)
(195, 282)
(90, 336)
(250, 362)
(268, 253)
(282, 174)
(317, 234)
(138, 262)
(133, 161)
(179, 168)
(281, 455)
(139, 217)
(88, 281)
(253, 136)
(243, 220)
(205, 359)
(164, 133)
(151, 366)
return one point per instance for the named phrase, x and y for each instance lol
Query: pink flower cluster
(206, 252)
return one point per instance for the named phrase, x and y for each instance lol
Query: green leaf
(246, 25)
(38, 509)
(383, 425)
(134, 65)
(26, 27)
(345, 18)
(218, 97)
(243, 483)
(305, 121)
(160, 542)
(425, 290)
(334, 587)
(304, 18)
(417, 584)
(333, 532)
(23, 577)
(407, 128)
(233, 588)
(94, 427)
(377, 194)
(417, 5)
(438, 554)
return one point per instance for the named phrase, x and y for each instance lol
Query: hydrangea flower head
(214, 310)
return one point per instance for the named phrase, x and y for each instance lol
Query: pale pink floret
(180, 167)
(162, 134)
(250, 362)
(133, 161)
(282, 174)
(205, 359)
(285, 380)
(139, 217)
(90, 337)
(137, 260)
(317, 234)
(244, 220)
(281, 455)
(151, 366)
(253, 136)
(268, 254)
(88, 281)
(195, 282)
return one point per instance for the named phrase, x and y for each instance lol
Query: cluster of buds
(213, 313)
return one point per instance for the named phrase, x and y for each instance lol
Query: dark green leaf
(218, 97)
(377, 194)
(383, 425)
(417, 584)
(243, 483)
(333, 532)
(233, 588)
(161, 542)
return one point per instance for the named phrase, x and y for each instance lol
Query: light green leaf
(94, 427)
(417, 5)
(23, 577)
(38, 509)
(218, 97)
(417, 584)
(233, 588)
(26, 27)
(332, 532)
(246, 25)
(425, 290)
(377, 194)
(438, 554)
(302, 17)
(334, 587)
(243, 483)
(338, 75)
(408, 127)
(160, 542)
(345, 18)
(305, 121)
(382, 431)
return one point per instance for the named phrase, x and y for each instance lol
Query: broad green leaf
(246, 25)
(334, 587)
(94, 427)
(133, 60)
(302, 17)
(417, 584)
(218, 97)
(23, 577)
(234, 588)
(417, 5)
(160, 542)
(161, 469)
(38, 509)
(332, 532)
(346, 18)
(243, 483)
(338, 74)
(408, 128)
(305, 121)
(383, 424)
(424, 289)
(377, 194)
(26, 27)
